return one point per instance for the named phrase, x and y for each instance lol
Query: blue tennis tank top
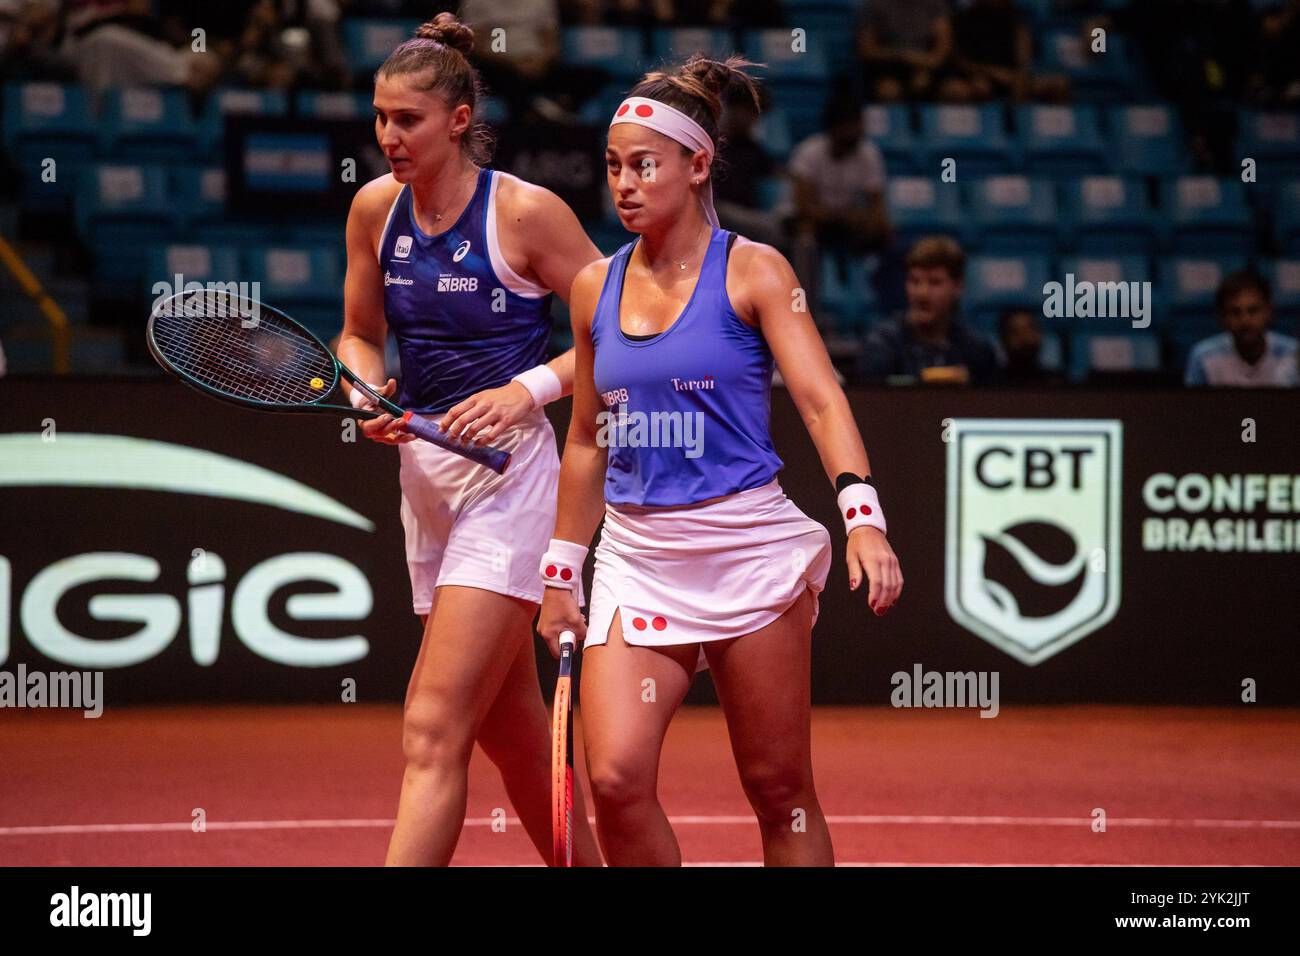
(464, 321)
(686, 411)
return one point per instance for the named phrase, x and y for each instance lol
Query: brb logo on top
(1032, 546)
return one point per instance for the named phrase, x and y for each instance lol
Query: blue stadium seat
(1113, 353)
(1272, 139)
(147, 125)
(772, 132)
(1287, 221)
(1188, 283)
(1284, 276)
(199, 193)
(305, 282)
(1098, 268)
(1109, 76)
(1207, 214)
(847, 297)
(599, 109)
(1013, 214)
(775, 192)
(802, 103)
(890, 128)
(317, 104)
(616, 50)
(1148, 140)
(367, 43)
(1060, 140)
(193, 262)
(119, 210)
(230, 102)
(674, 43)
(973, 135)
(994, 283)
(785, 64)
(922, 205)
(47, 121)
(1108, 214)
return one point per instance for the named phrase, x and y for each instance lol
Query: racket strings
(269, 361)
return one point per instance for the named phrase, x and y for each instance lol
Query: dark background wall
(1190, 627)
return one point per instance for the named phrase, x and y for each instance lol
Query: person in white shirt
(1247, 354)
(839, 193)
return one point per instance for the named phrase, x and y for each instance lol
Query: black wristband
(847, 478)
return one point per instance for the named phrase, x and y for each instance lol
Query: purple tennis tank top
(686, 411)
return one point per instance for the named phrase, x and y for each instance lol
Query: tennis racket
(243, 351)
(562, 757)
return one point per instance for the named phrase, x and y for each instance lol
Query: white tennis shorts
(465, 524)
(705, 572)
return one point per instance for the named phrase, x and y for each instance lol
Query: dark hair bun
(449, 31)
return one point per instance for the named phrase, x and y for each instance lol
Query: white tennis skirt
(705, 572)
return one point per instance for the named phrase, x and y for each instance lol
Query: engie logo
(116, 461)
(457, 283)
(1032, 545)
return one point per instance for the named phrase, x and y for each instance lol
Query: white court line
(855, 820)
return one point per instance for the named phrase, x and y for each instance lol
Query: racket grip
(568, 638)
(428, 429)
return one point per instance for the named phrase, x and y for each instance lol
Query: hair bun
(447, 30)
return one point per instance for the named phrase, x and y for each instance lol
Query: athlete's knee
(617, 783)
(515, 752)
(775, 792)
(434, 735)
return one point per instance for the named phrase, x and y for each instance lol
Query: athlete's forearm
(362, 356)
(562, 366)
(838, 441)
(582, 495)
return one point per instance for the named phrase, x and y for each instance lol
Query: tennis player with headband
(703, 560)
(459, 262)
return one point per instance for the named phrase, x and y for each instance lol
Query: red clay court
(315, 786)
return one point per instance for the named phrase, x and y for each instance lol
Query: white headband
(678, 127)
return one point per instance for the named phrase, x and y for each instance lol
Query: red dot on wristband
(566, 574)
(659, 623)
(638, 623)
(550, 570)
(866, 509)
(850, 513)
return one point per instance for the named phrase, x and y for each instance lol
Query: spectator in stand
(528, 74)
(905, 47)
(928, 342)
(993, 54)
(1247, 354)
(1021, 338)
(111, 44)
(839, 193)
(745, 164)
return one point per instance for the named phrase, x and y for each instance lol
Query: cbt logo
(1032, 544)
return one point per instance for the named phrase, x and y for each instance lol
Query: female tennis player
(459, 262)
(702, 554)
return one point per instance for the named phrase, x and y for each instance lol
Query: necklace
(681, 263)
(437, 217)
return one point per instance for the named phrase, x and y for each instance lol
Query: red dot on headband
(643, 110)
(621, 110)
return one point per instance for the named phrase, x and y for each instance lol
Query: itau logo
(1032, 544)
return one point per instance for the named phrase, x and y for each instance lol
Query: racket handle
(568, 638)
(428, 429)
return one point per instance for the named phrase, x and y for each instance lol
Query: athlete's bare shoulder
(375, 198)
(522, 202)
(587, 285)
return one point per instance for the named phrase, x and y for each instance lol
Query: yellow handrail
(49, 308)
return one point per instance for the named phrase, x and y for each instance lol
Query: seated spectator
(839, 193)
(993, 53)
(1021, 339)
(528, 74)
(1247, 354)
(905, 47)
(928, 341)
(745, 164)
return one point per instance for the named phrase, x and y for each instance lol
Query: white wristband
(860, 505)
(542, 383)
(361, 399)
(562, 567)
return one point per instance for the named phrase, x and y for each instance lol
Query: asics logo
(461, 251)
